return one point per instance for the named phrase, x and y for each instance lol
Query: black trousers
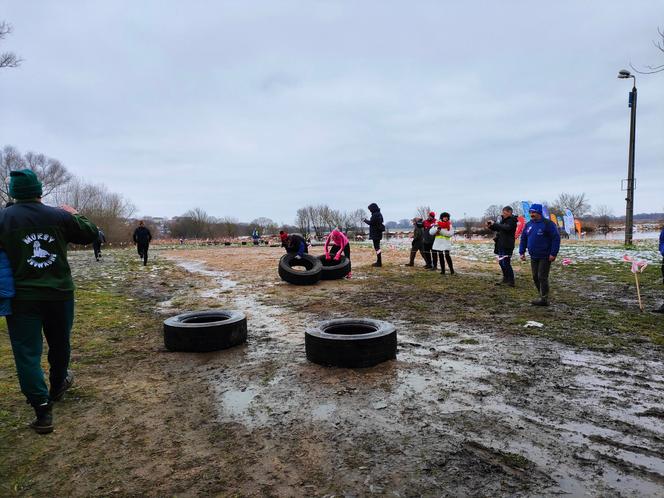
(445, 256)
(335, 249)
(430, 256)
(540, 269)
(97, 250)
(143, 251)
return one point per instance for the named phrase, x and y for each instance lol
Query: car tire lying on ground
(334, 270)
(351, 342)
(201, 331)
(311, 274)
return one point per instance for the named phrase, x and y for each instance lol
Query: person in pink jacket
(339, 242)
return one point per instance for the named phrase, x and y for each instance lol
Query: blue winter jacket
(6, 285)
(661, 242)
(541, 238)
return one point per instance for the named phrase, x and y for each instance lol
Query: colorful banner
(521, 224)
(577, 225)
(554, 218)
(545, 211)
(569, 222)
(526, 210)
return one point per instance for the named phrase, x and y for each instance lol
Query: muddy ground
(474, 405)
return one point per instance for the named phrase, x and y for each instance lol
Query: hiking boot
(542, 301)
(427, 267)
(57, 394)
(409, 264)
(510, 283)
(502, 282)
(43, 423)
(377, 264)
(659, 310)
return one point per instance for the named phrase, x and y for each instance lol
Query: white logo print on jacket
(40, 258)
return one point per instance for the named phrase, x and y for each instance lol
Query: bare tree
(264, 225)
(229, 227)
(423, 211)
(8, 59)
(603, 215)
(51, 172)
(577, 203)
(108, 210)
(517, 208)
(659, 45)
(493, 211)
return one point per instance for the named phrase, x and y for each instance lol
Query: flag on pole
(569, 222)
(526, 210)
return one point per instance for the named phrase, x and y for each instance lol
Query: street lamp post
(629, 214)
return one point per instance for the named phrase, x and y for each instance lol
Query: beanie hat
(283, 236)
(24, 184)
(537, 208)
(445, 215)
(432, 214)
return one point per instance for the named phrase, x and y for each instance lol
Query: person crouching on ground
(294, 244)
(35, 238)
(442, 243)
(504, 242)
(541, 238)
(430, 257)
(340, 244)
(416, 245)
(376, 229)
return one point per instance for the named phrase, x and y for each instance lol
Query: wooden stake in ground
(638, 291)
(637, 267)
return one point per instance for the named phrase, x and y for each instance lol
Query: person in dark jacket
(294, 243)
(504, 242)
(96, 245)
(661, 251)
(142, 238)
(35, 238)
(542, 240)
(430, 256)
(416, 244)
(376, 229)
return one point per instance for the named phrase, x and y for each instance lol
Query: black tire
(311, 275)
(334, 270)
(201, 331)
(351, 342)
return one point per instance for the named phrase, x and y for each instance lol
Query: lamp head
(624, 73)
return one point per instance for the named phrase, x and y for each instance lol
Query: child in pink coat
(339, 243)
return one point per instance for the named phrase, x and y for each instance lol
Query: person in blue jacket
(6, 285)
(661, 251)
(541, 238)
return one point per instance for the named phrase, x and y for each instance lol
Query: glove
(298, 256)
(337, 258)
(327, 257)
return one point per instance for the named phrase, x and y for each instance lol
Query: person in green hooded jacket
(35, 238)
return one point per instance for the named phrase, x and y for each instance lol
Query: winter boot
(379, 261)
(43, 423)
(412, 258)
(56, 394)
(542, 301)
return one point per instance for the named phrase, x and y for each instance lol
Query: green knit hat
(24, 184)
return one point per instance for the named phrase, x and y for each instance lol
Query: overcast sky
(248, 108)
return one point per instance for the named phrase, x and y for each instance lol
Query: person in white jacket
(442, 244)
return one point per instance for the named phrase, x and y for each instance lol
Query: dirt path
(463, 409)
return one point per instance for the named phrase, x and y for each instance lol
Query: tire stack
(315, 269)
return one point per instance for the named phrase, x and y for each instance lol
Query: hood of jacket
(373, 207)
